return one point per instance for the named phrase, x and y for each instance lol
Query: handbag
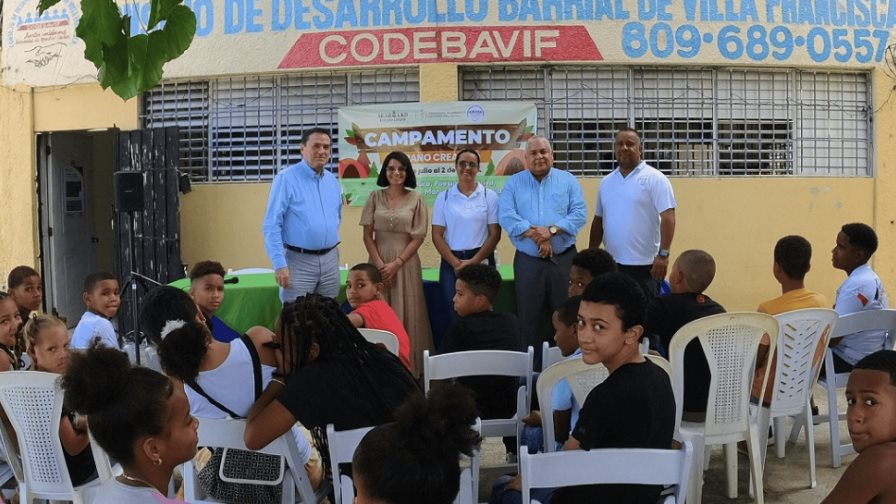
(240, 476)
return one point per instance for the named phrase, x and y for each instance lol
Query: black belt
(301, 250)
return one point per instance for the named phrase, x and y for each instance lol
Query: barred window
(695, 121)
(246, 128)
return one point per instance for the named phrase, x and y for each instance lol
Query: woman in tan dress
(395, 221)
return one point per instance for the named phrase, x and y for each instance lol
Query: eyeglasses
(464, 165)
(395, 169)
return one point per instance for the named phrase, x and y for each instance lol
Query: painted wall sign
(487, 44)
(431, 134)
(271, 35)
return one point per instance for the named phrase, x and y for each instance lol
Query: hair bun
(96, 378)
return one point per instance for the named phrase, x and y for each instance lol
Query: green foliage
(131, 65)
(374, 173)
(491, 168)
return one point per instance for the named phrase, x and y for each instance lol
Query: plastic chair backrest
(377, 336)
(228, 433)
(549, 355)
(479, 363)
(868, 321)
(582, 378)
(342, 445)
(33, 402)
(730, 342)
(798, 342)
(606, 466)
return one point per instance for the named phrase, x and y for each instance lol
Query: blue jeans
(501, 495)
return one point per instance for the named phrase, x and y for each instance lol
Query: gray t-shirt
(116, 492)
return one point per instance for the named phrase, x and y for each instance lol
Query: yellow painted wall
(438, 82)
(82, 108)
(17, 186)
(737, 220)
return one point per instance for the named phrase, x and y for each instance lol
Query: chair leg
(810, 440)
(755, 464)
(834, 424)
(731, 469)
(707, 454)
(695, 486)
(797, 427)
(780, 442)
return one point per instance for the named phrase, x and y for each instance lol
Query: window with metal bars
(694, 121)
(237, 129)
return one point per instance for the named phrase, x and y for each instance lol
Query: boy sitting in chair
(633, 408)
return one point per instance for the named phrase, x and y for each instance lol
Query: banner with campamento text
(431, 134)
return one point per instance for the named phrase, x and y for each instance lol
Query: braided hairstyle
(315, 319)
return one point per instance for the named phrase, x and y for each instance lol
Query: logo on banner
(42, 37)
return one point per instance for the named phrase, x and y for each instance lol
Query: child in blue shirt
(102, 297)
(207, 289)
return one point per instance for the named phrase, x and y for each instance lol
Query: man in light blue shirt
(542, 209)
(301, 223)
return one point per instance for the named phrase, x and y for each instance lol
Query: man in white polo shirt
(635, 215)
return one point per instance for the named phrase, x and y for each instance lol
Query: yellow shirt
(796, 299)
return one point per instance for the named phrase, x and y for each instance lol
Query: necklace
(139, 480)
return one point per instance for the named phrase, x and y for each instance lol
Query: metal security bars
(237, 129)
(695, 121)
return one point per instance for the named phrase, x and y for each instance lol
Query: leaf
(171, 41)
(491, 168)
(374, 173)
(44, 5)
(160, 10)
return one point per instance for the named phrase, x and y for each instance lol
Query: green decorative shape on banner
(491, 169)
(355, 190)
(374, 172)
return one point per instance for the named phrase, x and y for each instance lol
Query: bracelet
(278, 380)
(400, 259)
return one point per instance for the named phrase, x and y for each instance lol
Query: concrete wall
(737, 220)
(18, 199)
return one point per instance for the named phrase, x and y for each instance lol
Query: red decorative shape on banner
(461, 44)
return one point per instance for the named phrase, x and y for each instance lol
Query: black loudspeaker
(128, 189)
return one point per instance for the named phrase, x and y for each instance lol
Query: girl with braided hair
(327, 374)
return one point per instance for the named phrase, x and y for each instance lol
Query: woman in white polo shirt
(465, 226)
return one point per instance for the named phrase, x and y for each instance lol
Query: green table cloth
(255, 300)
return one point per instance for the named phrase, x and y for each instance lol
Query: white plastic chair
(549, 355)
(798, 340)
(377, 336)
(730, 342)
(848, 324)
(228, 433)
(342, 446)
(582, 379)
(609, 466)
(33, 402)
(487, 363)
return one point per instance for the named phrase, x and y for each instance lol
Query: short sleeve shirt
(861, 291)
(465, 218)
(93, 327)
(630, 208)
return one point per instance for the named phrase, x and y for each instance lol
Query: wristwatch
(553, 230)
(663, 253)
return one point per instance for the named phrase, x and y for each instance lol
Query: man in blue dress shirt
(542, 209)
(301, 224)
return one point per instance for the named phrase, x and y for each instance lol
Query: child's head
(207, 286)
(137, 415)
(48, 343)
(587, 265)
(10, 320)
(856, 243)
(565, 321)
(792, 256)
(611, 320)
(163, 304)
(871, 396)
(415, 458)
(476, 288)
(25, 288)
(101, 294)
(364, 284)
(184, 345)
(693, 271)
